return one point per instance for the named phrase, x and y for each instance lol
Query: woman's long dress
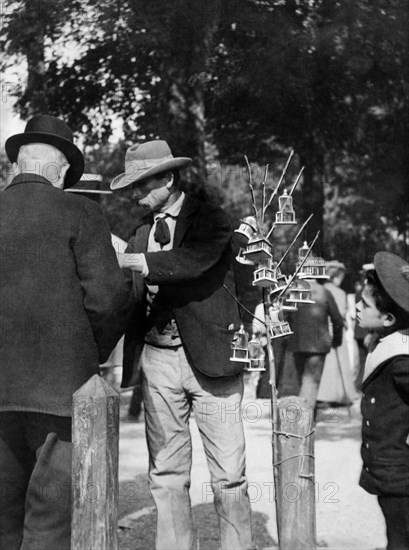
(337, 384)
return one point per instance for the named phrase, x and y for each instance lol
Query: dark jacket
(385, 428)
(190, 279)
(310, 323)
(63, 299)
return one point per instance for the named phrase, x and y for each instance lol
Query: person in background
(64, 306)
(384, 310)
(337, 386)
(263, 390)
(91, 186)
(311, 339)
(180, 339)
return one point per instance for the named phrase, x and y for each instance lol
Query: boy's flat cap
(393, 272)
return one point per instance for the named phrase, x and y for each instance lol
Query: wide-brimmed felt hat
(51, 131)
(90, 183)
(393, 273)
(145, 160)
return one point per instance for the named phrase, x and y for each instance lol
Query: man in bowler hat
(64, 305)
(180, 337)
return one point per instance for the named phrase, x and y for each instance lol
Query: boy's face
(368, 315)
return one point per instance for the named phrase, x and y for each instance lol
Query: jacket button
(366, 469)
(367, 423)
(170, 272)
(373, 400)
(367, 445)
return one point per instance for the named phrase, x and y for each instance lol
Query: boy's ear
(389, 320)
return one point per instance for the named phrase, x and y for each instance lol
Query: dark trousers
(309, 370)
(135, 406)
(279, 349)
(35, 481)
(396, 512)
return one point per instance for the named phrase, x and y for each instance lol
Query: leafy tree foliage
(138, 62)
(327, 78)
(220, 79)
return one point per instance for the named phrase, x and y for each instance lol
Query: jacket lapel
(140, 244)
(141, 234)
(142, 237)
(185, 219)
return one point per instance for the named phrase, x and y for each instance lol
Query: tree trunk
(35, 95)
(183, 108)
(34, 99)
(313, 201)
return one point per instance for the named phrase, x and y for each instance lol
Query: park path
(347, 517)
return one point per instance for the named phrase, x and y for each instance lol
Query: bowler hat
(393, 273)
(51, 131)
(90, 183)
(145, 160)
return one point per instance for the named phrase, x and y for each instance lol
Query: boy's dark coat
(385, 429)
(64, 302)
(190, 279)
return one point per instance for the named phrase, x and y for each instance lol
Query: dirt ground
(347, 517)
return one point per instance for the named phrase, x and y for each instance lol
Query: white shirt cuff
(145, 268)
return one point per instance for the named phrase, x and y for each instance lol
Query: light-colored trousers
(172, 389)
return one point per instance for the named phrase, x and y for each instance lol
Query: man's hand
(131, 261)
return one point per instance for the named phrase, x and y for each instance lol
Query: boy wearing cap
(384, 310)
(180, 338)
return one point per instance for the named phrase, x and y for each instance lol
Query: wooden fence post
(295, 475)
(95, 427)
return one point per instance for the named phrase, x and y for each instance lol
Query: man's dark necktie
(162, 232)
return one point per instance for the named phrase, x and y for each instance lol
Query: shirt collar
(396, 343)
(29, 178)
(174, 210)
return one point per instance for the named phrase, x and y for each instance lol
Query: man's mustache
(137, 195)
(140, 199)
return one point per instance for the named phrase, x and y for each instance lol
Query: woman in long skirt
(337, 384)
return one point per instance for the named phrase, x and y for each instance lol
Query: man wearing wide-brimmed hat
(180, 337)
(64, 305)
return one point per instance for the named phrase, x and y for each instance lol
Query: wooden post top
(95, 388)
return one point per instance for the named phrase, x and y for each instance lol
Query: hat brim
(388, 267)
(335, 265)
(90, 191)
(123, 180)
(71, 151)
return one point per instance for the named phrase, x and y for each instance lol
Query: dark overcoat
(63, 298)
(310, 323)
(385, 428)
(190, 278)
